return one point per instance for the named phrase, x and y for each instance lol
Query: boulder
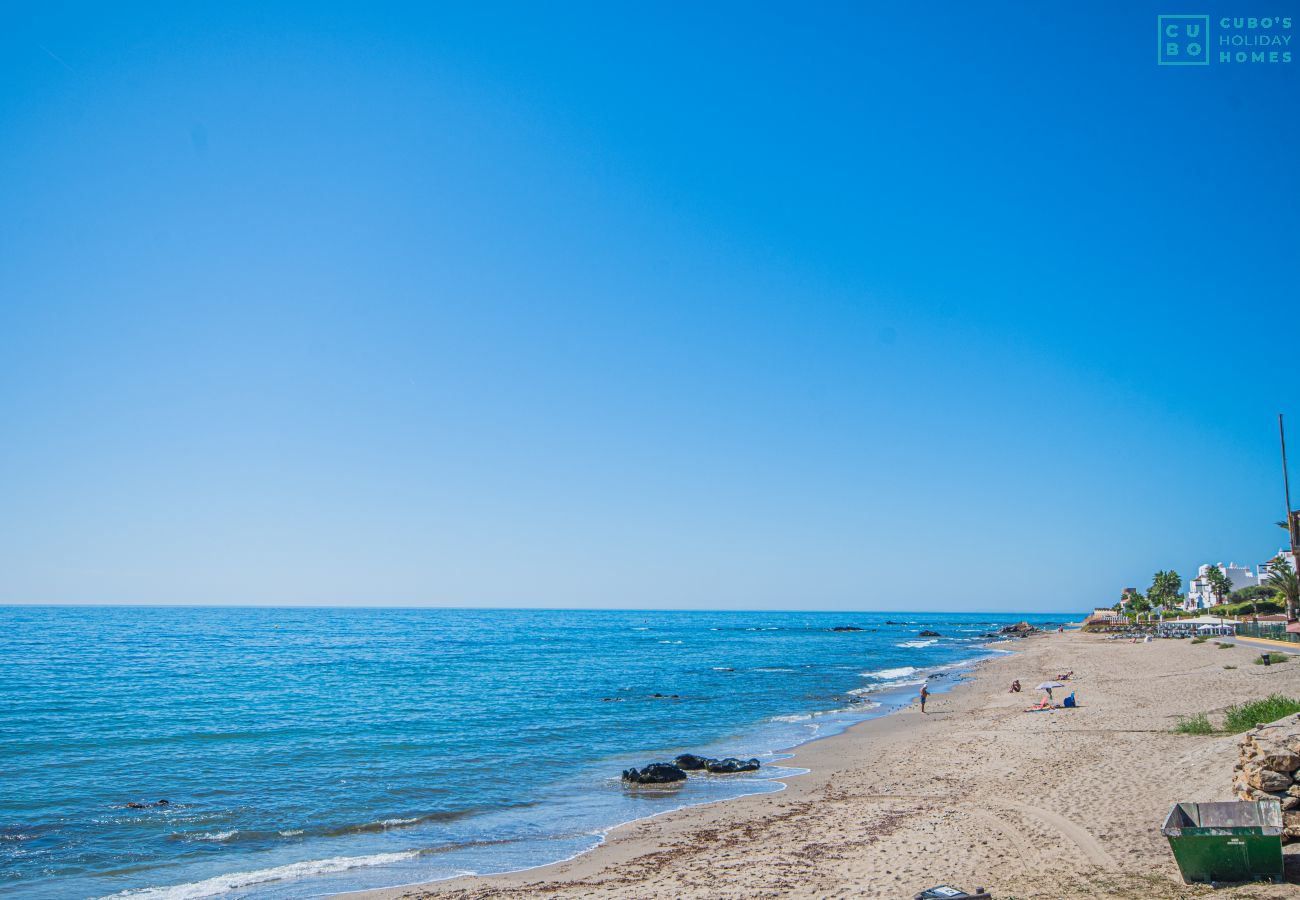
(731, 765)
(1264, 779)
(1276, 756)
(1018, 628)
(846, 628)
(689, 762)
(655, 773)
(928, 633)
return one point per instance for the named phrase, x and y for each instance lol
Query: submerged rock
(655, 773)
(846, 628)
(731, 765)
(689, 762)
(928, 633)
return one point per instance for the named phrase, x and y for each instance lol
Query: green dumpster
(1226, 841)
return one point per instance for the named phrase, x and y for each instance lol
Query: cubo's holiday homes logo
(1198, 40)
(1182, 40)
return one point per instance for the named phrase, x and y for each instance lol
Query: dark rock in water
(691, 763)
(846, 628)
(731, 765)
(1019, 628)
(655, 773)
(892, 622)
(928, 633)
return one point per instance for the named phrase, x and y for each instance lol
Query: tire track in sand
(1090, 846)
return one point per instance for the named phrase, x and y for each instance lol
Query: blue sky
(963, 307)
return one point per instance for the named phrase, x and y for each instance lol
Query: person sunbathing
(1045, 703)
(1015, 687)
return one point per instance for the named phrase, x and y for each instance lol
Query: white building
(1199, 595)
(1263, 567)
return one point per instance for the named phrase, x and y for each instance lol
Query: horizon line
(145, 605)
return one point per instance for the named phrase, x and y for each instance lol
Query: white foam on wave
(216, 836)
(222, 884)
(670, 642)
(887, 674)
(805, 717)
(290, 832)
(912, 645)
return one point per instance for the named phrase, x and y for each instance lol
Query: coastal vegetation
(1248, 715)
(1197, 724)
(1251, 608)
(1283, 579)
(1273, 658)
(1241, 717)
(1163, 592)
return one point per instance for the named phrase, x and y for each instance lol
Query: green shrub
(1223, 646)
(1262, 606)
(1248, 715)
(1199, 639)
(1197, 724)
(1272, 657)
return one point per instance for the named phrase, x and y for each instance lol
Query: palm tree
(1219, 583)
(1283, 578)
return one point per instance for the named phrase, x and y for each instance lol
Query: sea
(309, 751)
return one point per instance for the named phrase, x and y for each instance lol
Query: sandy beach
(975, 793)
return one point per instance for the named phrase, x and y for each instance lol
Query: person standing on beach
(925, 692)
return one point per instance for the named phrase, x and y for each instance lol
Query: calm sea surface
(308, 751)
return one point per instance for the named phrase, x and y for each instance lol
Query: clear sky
(957, 306)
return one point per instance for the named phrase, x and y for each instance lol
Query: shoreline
(964, 673)
(977, 793)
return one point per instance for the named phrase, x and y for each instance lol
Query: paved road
(1294, 649)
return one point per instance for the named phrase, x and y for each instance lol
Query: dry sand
(975, 793)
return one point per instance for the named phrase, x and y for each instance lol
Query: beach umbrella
(1049, 685)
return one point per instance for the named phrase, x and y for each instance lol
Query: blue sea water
(311, 751)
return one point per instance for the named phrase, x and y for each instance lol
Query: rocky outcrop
(1020, 628)
(846, 628)
(689, 762)
(928, 633)
(731, 765)
(675, 772)
(1267, 768)
(655, 773)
